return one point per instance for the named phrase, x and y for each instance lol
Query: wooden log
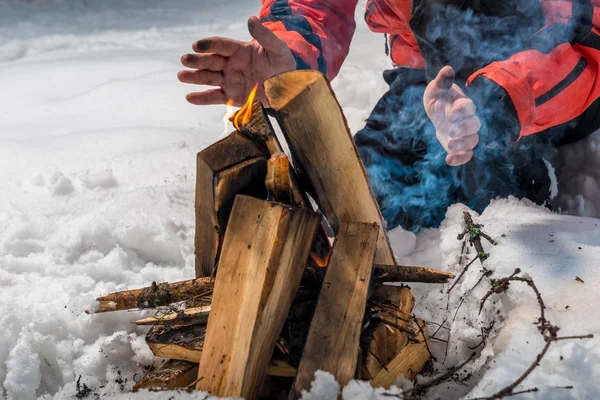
(212, 163)
(278, 178)
(189, 316)
(409, 362)
(265, 250)
(334, 333)
(156, 295)
(320, 142)
(185, 343)
(172, 374)
(377, 353)
(401, 273)
(399, 317)
(179, 343)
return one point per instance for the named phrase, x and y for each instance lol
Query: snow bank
(97, 153)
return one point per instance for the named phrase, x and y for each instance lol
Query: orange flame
(242, 117)
(321, 261)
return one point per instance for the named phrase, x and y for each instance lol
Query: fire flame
(321, 261)
(242, 117)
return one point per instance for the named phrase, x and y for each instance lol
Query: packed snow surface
(97, 161)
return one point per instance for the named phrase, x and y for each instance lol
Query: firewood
(408, 363)
(322, 147)
(259, 129)
(333, 337)
(278, 178)
(377, 352)
(172, 374)
(154, 296)
(177, 342)
(189, 316)
(394, 329)
(212, 166)
(401, 273)
(265, 250)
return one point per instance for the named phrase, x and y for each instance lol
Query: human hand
(235, 67)
(453, 115)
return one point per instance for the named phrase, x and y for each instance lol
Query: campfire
(291, 257)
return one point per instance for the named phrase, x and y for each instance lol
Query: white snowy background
(97, 164)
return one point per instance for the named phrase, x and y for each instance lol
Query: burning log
(321, 144)
(233, 165)
(265, 250)
(157, 295)
(408, 363)
(333, 337)
(172, 374)
(189, 316)
(400, 273)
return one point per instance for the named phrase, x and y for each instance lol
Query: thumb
(265, 37)
(442, 82)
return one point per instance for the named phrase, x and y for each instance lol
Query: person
(481, 93)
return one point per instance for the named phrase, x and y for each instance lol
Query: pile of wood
(291, 261)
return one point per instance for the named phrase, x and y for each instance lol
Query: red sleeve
(553, 86)
(318, 32)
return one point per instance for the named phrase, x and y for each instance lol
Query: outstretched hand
(453, 115)
(235, 67)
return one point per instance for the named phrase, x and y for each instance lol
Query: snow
(97, 153)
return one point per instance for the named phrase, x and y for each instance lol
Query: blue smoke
(404, 160)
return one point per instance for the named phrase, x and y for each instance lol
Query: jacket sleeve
(556, 83)
(317, 32)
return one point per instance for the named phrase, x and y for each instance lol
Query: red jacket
(547, 89)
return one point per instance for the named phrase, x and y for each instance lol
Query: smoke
(405, 162)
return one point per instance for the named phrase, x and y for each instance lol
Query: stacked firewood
(291, 261)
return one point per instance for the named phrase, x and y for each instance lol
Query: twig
(424, 337)
(547, 330)
(445, 376)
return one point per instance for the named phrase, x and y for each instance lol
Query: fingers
(210, 62)
(222, 46)
(213, 96)
(202, 77)
(466, 143)
(466, 127)
(265, 37)
(456, 159)
(462, 108)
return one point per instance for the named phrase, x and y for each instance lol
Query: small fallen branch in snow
(547, 330)
(473, 234)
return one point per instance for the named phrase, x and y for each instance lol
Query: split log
(408, 363)
(172, 374)
(157, 295)
(259, 129)
(265, 250)
(278, 178)
(377, 352)
(401, 273)
(179, 343)
(320, 142)
(333, 337)
(213, 204)
(189, 316)
(185, 343)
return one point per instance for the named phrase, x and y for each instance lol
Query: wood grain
(320, 142)
(334, 333)
(265, 250)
